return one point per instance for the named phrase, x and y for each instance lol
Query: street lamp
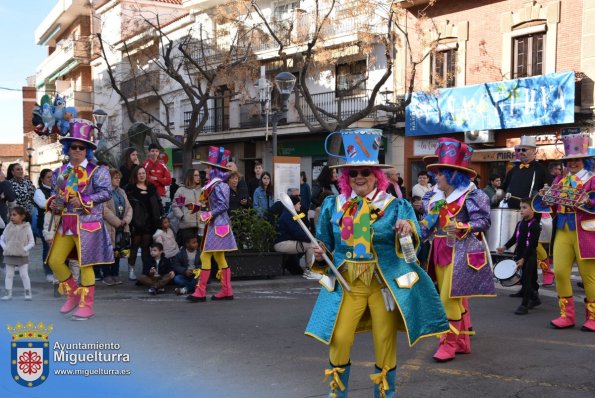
(30, 153)
(284, 82)
(99, 116)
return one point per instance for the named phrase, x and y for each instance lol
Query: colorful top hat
(528, 141)
(81, 130)
(452, 154)
(218, 157)
(576, 146)
(361, 147)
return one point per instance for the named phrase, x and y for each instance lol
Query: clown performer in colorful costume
(574, 229)
(456, 217)
(523, 180)
(360, 230)
(79, 189)
(218, 236)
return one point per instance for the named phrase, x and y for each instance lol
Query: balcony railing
(218, 120)
(140, 85)
(66, 52)
(209, 52)
(329, 102)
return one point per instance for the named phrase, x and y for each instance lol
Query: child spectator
(526, 237)
(165, 235)
(16, 241)
(157, 272)
(184, 264)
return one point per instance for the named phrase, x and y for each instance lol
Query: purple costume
(218, 233)
(95, 243)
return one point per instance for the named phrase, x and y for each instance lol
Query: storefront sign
(533, 101)
(424, 147)
(545, 152)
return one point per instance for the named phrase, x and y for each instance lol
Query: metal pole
(29, 168)
(275, 120)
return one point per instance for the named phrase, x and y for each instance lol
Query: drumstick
(289, 206)
(361, 144)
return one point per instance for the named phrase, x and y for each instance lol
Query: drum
(546, 228)
(503, 223)
(507, 273)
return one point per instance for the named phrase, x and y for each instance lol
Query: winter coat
(187, 219)
(112, 222)
(17, 240)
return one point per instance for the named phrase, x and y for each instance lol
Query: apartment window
(444, 68)
(527, 55)
(347, 75)
(283, 10)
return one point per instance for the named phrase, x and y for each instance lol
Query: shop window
(348, 76)
(527, 55)
(444, 68)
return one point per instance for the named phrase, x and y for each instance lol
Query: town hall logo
(29, 353)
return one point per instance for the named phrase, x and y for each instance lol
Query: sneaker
(522, 310)
(131, 275)
(181, 290)
(117, 280)
(311, 275)
(160, 290)
(152, 291)
(28, 296)
(109, 280)
(50, 278)
(98, 278)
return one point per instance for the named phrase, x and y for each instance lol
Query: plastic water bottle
(407, 247)
(451, 239)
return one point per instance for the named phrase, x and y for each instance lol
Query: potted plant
(255, 237)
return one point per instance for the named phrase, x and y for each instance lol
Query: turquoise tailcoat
(418, 303)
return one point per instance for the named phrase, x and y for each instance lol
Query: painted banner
(533, 101)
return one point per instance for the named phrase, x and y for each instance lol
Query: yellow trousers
(384, 324)
(566, 252)
(61, 248)
(452, 306)
(205, 259)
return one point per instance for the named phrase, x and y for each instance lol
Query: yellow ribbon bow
(336, 379)
(563, 303)
(591, 310)
(83, 292)
(64, 288)
(196, 273)
(298, 216)
(381, 380)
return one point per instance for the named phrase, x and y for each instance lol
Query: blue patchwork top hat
(361, 148)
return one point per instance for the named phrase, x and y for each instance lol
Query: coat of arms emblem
(29, 353)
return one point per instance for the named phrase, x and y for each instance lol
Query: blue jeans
(188, 283)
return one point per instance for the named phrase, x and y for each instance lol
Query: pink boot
(548, 275)
(589, 325)
(566, 319)
(448, 344)
(226, 292)
(464, 340)
(68, 288)
(85, 310)
(200, 294)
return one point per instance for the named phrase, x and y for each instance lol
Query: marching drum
(507, 273)
(503, 223)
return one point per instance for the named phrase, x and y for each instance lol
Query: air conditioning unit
(479, 137)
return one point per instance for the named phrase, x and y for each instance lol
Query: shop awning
(64, 70)
(532, 101)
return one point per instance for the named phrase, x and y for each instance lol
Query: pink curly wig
(343, 179)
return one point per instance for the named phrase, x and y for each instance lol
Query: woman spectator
(325, 185)
(23, 188)
(146, 212)
(129, 162)
(117, 213)
(40, 197)
(305, 192)
(236, 201)
(263, 196)
(186, 196)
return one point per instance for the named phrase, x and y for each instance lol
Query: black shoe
(152, 291)
(194, 299)
(517, 294)
(534, 302)
(522, 310)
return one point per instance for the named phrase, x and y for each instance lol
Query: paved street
(255, 347)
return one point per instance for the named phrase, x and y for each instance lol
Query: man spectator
(393, 187)
(423, 184)
(157, 172)
(254, 182)
(555, 169)
(492, 187)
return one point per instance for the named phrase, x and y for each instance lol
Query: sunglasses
(522, 149)
(363, 173)
(78, 147)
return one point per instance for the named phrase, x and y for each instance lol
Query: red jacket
(158, 175)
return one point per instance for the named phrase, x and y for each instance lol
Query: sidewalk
(128, 289)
